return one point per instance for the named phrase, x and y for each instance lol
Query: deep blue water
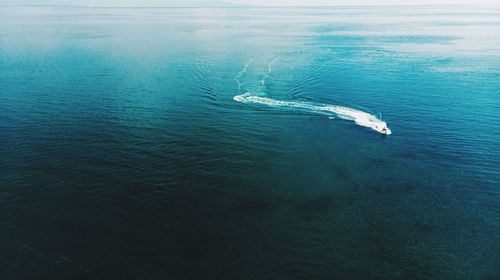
(124, 156)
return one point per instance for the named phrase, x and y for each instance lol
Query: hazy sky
(359, 2)
(238, 2)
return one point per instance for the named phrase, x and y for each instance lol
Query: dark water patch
(391, 189)
(426, 228)
(342, 173)
(317, 207)
(409, 155)
(390, 251)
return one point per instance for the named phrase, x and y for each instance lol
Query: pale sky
(167, 3)
(359, 2)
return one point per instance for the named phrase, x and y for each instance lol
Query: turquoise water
(123, 154)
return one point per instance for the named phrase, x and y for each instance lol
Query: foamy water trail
(240, 74)
(359, 117)
(269, 70)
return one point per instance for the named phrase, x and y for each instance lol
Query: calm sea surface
(124, 156)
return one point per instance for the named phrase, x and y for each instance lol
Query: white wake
(269, 70)
(361, 118)
(240, 74)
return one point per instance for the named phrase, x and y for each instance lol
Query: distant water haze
(227, 3)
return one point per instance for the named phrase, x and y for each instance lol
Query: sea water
(125, 154)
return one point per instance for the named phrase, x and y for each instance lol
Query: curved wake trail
(240, 74)
(269, 70)
(359, 117)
